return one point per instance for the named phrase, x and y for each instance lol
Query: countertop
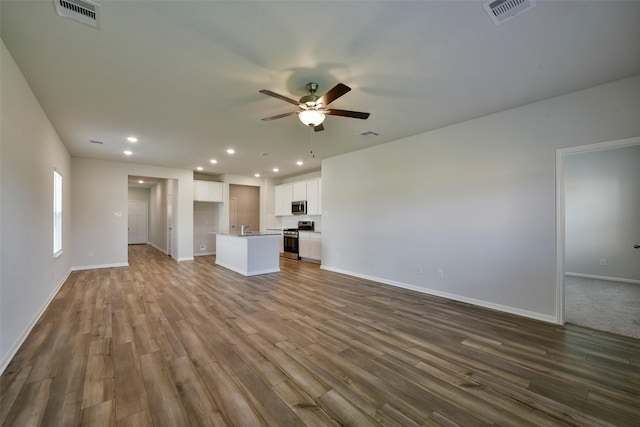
(279, 230)
(247, 233)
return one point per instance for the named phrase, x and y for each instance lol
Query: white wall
(304, 177)
(99, 210)
(475, 200)
(30, 150)
(205, 220)
(602, 207)
(139, 194)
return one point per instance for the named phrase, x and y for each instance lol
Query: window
(57, 213)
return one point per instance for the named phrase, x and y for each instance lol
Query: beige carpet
(603, 305)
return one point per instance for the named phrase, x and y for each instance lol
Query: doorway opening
(597, 200)
(151, 212)
(244, 207)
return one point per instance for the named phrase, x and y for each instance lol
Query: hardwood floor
(179, 344)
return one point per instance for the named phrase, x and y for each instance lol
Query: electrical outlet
(90, 253)
(203, 247)
(603, 261)
(440, 273)
(419, 269)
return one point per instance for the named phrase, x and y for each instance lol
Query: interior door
(138, 222)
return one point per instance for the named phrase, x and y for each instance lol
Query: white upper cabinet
(301, 190)
(207, 191)
(313, 197)
(284, 197)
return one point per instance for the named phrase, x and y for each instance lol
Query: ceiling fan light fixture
(312, 109)
(311, 118)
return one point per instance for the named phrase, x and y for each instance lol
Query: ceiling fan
(313, 108)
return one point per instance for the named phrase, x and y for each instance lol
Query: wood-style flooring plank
(163, 392)
(30, 405)
(229, 397)
(102, 414)
(11, 383)
(196, 399)
(129, 389)
(63, 410)
(162, 343)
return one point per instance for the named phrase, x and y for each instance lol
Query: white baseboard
(481, 303)
(159, 248)
(92, 267)
(611, 279)
(246, 273)
(186, 258)
(6, 359)
(204, 254)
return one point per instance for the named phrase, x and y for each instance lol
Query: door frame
(560, 211)
(170, 227)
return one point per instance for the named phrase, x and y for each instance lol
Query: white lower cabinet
(310, 245)
(315, 246)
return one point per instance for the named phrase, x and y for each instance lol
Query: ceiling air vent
(503, 10)
(368, 134)
(83, 11)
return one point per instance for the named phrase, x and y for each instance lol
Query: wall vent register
(83, 11)
(502, 10)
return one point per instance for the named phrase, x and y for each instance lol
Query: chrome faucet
(244, 227)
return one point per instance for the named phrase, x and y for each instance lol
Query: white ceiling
(183, 76)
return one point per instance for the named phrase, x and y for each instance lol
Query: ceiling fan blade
(279, 116)
(336, 92)
(347, 113)
(318, 128)
(282, 97)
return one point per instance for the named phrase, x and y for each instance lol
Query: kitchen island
(249, 254)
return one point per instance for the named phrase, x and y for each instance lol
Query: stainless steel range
(291, 238)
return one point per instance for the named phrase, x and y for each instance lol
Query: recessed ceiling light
(214, 161)
(276, 170)
(128, 153)
(299, 163)
(231, 151)
(257, 175)
(199, 168)
(132, 139)
(141, 182)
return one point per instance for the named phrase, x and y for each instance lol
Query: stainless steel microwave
(299, 207)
